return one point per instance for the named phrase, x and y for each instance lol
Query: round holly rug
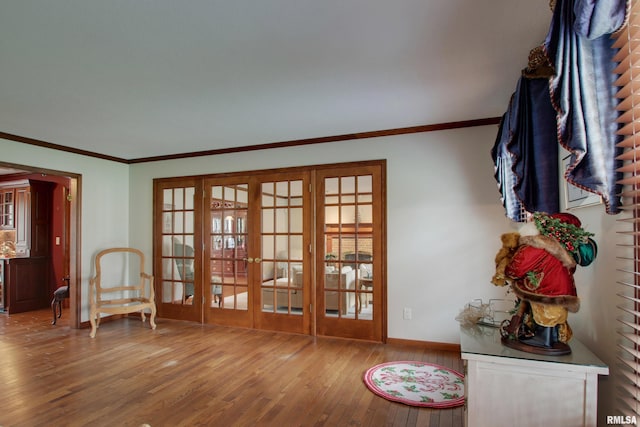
(416, 384)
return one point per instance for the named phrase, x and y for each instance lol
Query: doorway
(295, 250)
(64, 226)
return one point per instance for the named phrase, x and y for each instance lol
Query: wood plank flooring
(187, 374)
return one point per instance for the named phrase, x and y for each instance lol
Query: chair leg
(94, 323)
(56, 303)
(53, 308)
(152, 317)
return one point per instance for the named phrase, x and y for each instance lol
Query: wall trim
(282, 144)
(44, 144)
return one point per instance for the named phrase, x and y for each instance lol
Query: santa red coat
(541, 271)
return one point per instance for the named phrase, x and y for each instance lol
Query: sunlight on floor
(366, 312)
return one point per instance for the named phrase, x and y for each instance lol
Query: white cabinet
(507, 387)
(7, 218)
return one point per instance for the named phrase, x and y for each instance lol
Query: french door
(253, 251)
(177, 236)
(349, 252)
(296, 250)
(228, 251)
(283, 218)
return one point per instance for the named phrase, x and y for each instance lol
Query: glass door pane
(228, 280)
(285, 294)
(348, 248)
(6, 209)
(282, 268)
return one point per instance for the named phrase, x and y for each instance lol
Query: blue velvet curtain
(526, 155)
(573, 107)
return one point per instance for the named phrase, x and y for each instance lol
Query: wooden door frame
(74, 249)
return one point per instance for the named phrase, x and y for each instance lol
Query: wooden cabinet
(26, 284)
(29, 214)
(2, 291)
(229, 263)
(229, 250)
(39, 207)
(28, 273)
(23, 220)
(511, 387)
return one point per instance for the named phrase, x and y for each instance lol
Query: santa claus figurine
(540, 272)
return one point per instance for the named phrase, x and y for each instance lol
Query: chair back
(184, 258)
(120, 286)
(120, 275)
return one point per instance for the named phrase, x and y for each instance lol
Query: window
(628, 250)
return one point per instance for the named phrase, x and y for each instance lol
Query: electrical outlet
(406, 314)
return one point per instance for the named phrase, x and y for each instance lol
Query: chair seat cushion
(62, 291)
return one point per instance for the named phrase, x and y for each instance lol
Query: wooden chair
(107, 298)
(59, 296)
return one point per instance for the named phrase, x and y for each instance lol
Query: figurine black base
(556, 349)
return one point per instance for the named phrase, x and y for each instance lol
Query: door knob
(248, 259)
(257, 260)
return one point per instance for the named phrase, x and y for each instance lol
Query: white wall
(444, 218)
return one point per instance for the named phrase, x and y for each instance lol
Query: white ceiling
(141, 78)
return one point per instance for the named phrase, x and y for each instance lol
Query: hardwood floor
(187, 374)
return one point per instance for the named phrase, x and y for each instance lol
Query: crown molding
(267, 146)
(45, 144)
